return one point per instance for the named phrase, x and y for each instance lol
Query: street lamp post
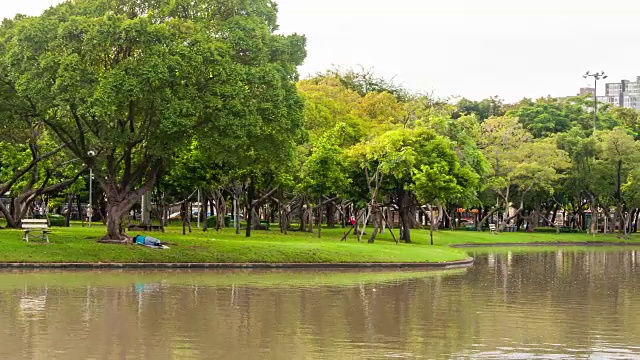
(596, 76)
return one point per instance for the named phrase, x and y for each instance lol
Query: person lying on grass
(148, 241)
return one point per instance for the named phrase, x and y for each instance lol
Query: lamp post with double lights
(596, 76)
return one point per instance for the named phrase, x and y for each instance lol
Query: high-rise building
(624, 94)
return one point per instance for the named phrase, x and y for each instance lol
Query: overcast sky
(470, 48)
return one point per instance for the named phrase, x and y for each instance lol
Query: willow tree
(126, 84)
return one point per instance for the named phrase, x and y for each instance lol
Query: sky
(461, 48)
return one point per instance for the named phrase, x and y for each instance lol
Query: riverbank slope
(78, 245)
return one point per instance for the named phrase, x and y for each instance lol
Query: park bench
(36, 225)
(492, 228)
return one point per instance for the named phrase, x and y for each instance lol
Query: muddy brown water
(548, 305)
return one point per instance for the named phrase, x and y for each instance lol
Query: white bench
(492, 228)
(37, 225)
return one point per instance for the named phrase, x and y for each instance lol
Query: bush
(57, 220)
(212, 221)
(264, 225)
(563, 229)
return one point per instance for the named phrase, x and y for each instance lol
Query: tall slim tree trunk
(236, 220)
(627, 221)
(310, 215)
(432, 222)
(377, 222)
(163, 210)
(319, 216)
(507, 206)
(202, 211)
(183, 216)
(594, 215)
(303, 215)
(250, 196)
(69, 204)
(79, 205)
(189, 215)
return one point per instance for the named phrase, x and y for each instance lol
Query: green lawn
(78, 244)
(473, 237)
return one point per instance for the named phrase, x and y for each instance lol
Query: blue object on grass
(148, 241)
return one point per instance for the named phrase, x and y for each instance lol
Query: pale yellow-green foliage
(519, 162)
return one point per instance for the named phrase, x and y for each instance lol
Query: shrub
(57, 220)
(211, 221)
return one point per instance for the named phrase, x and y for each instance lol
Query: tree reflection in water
(545, 304)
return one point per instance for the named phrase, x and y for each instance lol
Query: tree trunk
(441, 217)
(366, 214)
(202, 211)
(607, 226)
(250, 196)
(555, 213)
(69, 203)
(303, 215)
(404, 210)
(593, 228)
(432, 222)
(535, 219)
(377, 222)
(163, 210)
(618, 217)
(331, 215)
(115, 221)
(627, 222)
(406, 221)
(507, 206)
(12, 221)
(507, 218)
(79, 205)
(488, 214)
(236, 220)
(309, 212)
(183, 215)
(223, 210)
(320, 215)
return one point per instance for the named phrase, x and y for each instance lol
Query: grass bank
(78, 245)
(485, 238)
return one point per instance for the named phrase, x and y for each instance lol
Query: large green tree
(124, 84)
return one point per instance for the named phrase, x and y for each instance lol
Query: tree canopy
(172, 97)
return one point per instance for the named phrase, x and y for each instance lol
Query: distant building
(583, 92)
(587, 91)
(624, 94)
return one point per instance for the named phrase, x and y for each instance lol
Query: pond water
(560, 304)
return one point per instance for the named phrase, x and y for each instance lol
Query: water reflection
(562, 304)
